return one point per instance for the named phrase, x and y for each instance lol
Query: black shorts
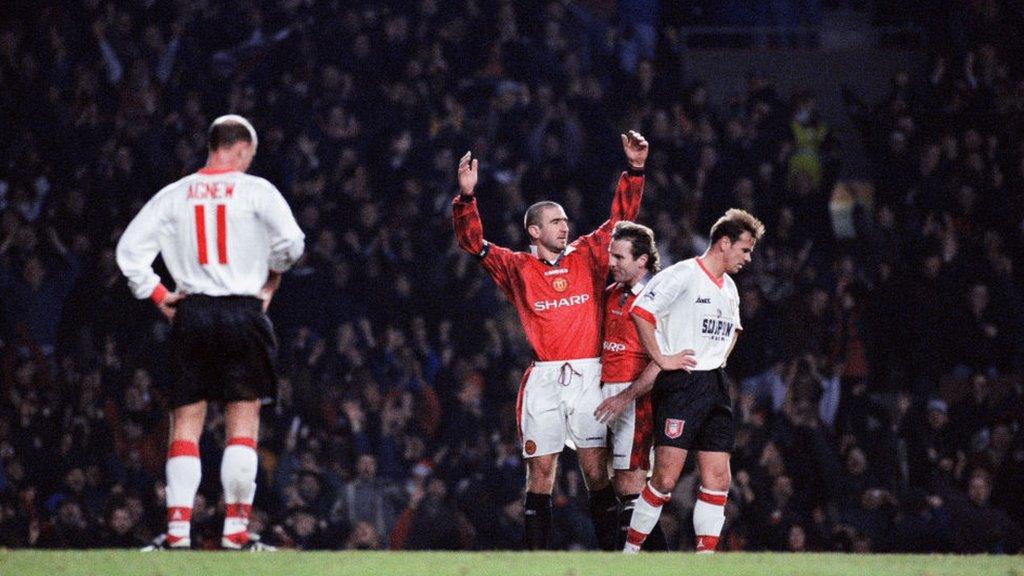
(693, 411)
(222, 348)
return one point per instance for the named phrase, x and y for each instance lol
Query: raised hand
(636, 148)
(468, 174)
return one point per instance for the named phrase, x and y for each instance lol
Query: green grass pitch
(111, 563)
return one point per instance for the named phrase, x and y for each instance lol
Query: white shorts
(631, 431)
(556, 407)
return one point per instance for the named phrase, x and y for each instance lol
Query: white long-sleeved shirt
(219, 232)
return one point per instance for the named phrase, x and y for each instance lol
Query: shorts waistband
(577, 362)
(603, 383)
(229, 298)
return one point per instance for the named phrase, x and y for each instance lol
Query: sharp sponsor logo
(543, 305)
(614, 346)
(556, 272)
(703, 300)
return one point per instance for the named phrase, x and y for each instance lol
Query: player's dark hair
(533, 213)
(734, 224)
(642, 239)
(226, 134)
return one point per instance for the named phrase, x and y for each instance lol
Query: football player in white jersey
(225, 237)
(693, 305)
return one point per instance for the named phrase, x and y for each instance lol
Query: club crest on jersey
(674, 427)
(560, 284)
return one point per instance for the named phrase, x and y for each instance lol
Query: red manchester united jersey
(559, 304)
(622, 355)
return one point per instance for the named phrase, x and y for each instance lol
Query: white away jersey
(219, 233)
(690, 309)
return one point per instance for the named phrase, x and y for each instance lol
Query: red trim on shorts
(183, 448)
(718, 281)
(179, 514)
(242, 441)
(644, 314)
(214, 171)
(653, 499)
(713, 499)
(237, 510)
(635, 537)
(519, 401)
(158, 294)
(706, 543)
(643, 417)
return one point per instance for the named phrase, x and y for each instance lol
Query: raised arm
(469, 230)
(626, 201)
(630, 189)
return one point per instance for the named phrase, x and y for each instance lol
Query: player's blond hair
(642, 239)
(734, 223)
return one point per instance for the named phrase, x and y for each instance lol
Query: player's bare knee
(540, 474)
(629, 481)
(596, 479)
(242, 419)
(594, 465)
(663, 482)
(716, 477)
(187, 422)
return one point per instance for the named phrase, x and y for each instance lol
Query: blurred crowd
(878, 377)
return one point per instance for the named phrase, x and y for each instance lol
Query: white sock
(708, 519)
(646, 511)
(238, 476)
(183, 475)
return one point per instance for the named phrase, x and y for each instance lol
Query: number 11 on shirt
(222, 233)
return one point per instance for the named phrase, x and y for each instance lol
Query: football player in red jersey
(557, 289)
(627, 372)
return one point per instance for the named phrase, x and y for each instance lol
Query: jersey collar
(214, 171)
(718, 281)
(568, 250)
